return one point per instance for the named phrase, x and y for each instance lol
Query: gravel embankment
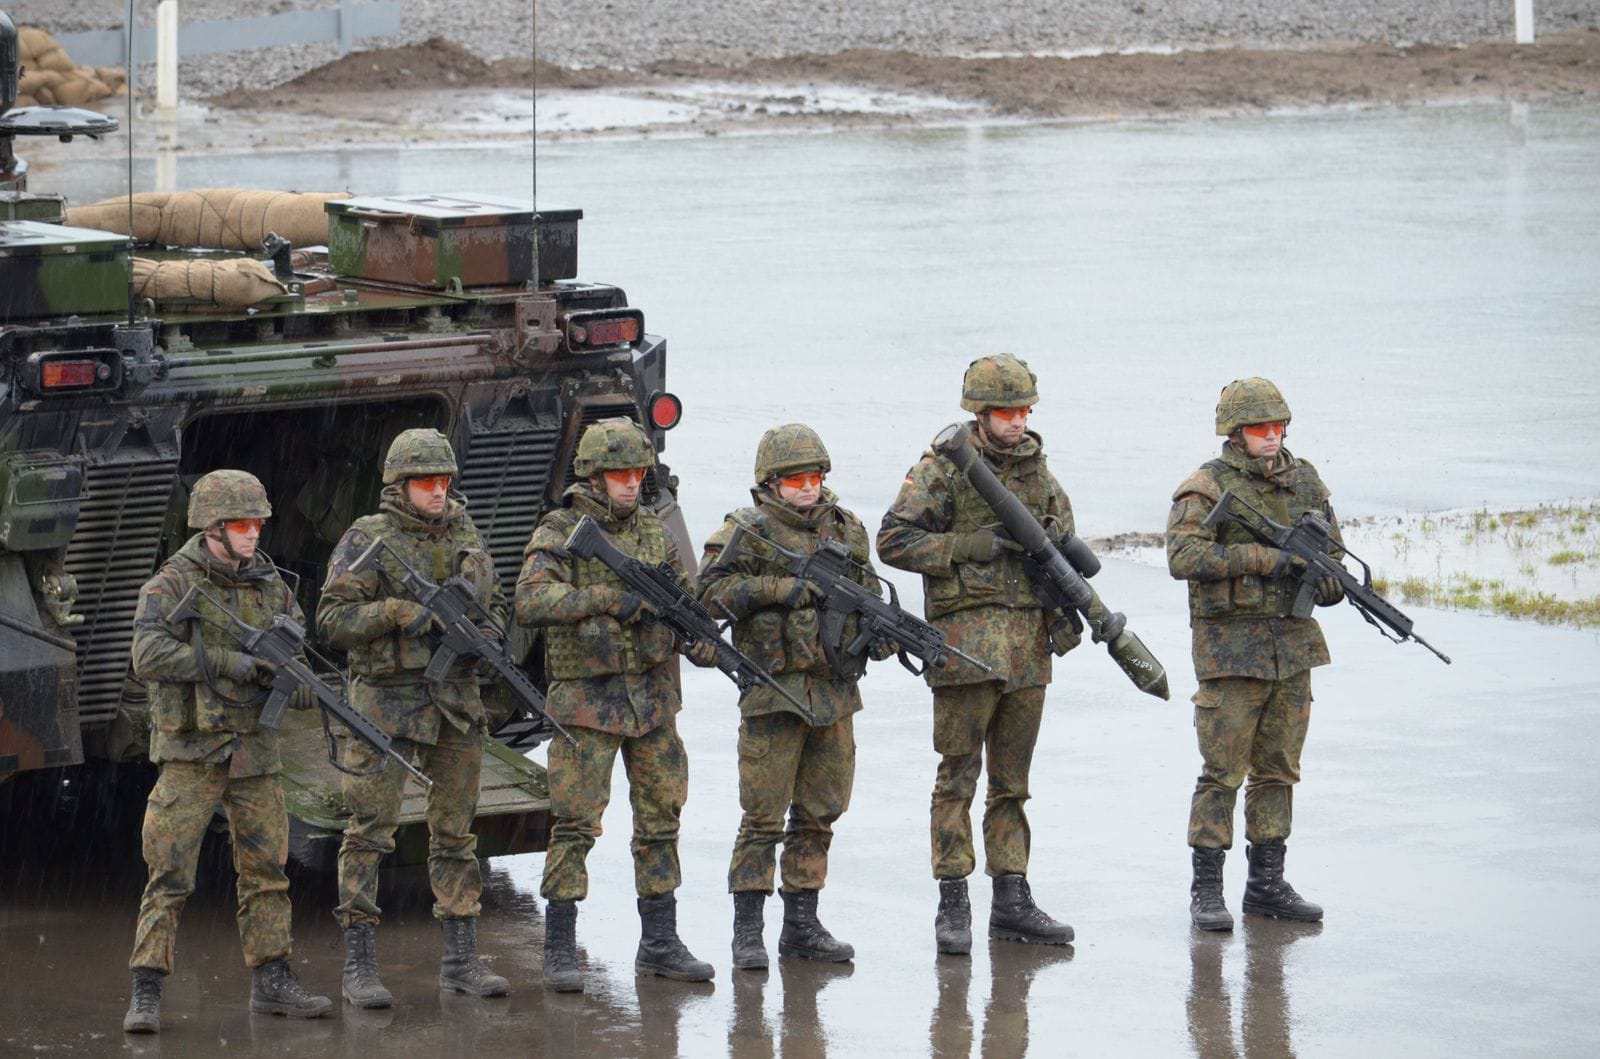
(636, 33)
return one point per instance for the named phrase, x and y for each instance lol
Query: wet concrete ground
(1446, 821)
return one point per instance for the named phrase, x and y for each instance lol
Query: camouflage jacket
(603, 675)
(385, 664)
(195, 713)
(1238, 617)
(786, 643)
(986, 608)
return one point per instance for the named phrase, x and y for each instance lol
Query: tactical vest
(783, 640)
(221, 705)
(599, 645)
(396, 655)
(1252, 595)
(1003, 582)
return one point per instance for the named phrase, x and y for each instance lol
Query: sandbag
(50, 77)
(234, 283)
(215, 218)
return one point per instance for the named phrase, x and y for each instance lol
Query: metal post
(167, 55)
(1524, 21)
(347, 26)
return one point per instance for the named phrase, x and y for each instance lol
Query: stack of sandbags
(49, 76)
(218, 218)
(234, 283)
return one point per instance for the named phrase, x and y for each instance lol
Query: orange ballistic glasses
(244, 526)
(626, 476)
(809, 480)
(1266, 430)
(1011, 414)
(432, 483)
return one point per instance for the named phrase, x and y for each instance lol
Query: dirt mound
(435, 63)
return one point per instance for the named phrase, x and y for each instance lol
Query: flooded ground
(1421, 283)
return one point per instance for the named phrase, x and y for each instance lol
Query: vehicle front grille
(504, 477)
(112, 554)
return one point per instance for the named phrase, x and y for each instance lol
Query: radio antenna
(533, 102)
(128, 52)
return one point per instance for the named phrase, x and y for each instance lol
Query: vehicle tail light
(600, 330)
(665, 410)
(77, 371)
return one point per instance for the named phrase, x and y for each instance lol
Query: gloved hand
(242, 668)
(798, 592)
(408, 616)
(1250, 559)
(630, 607)
(1286, 565)
(703, 654)
(302, 698)
(1329, 592)
(981, 546)
(882, 648)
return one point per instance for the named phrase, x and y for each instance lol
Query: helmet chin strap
(219, 532)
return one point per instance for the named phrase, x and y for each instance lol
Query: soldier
(440, 724)
(205, 697)
(788, 764)
(976, 590)
(1253, 660)
(613, 685)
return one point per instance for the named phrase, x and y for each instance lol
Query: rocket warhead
(1142, 667)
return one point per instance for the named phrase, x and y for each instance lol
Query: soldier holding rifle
(205, 733)
(390, 639)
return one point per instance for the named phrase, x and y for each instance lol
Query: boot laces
(146, 992)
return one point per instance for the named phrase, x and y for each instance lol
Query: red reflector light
(66, 374)
(613, 332)
(665, 411)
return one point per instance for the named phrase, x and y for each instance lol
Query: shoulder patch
(1200, 483)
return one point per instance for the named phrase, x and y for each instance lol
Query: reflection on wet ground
(1261, 1029)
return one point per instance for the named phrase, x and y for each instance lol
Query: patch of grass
(1566, 558)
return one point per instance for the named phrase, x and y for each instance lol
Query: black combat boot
(749, 952)
(561, 947)
(1014, 917)
(144, 1005)
(1206, 907)
(804, 935)
(361, 986)
(952, 924)
(274, 990)
(1268, 893)
(660, 950)
(461, 969)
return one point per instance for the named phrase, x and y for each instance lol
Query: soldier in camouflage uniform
(205, 698)
(787, 765)
(614, 686)
(440, 724)
(1252, 659)
(975, 589)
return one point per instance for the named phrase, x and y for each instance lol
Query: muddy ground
(414, 83)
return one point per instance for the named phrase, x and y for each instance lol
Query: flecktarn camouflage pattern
(613, 445)
(998, 381)
(416, 453)
(225, 495)
(1247, 401)
(790, 449)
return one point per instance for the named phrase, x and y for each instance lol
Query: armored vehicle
(459, 312)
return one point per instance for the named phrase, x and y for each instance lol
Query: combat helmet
(417, 452)
(998, 381)
(789, 449)
(613, 445)
(1247, 401)
(223, 496)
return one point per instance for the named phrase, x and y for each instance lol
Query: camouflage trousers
(785, 765)
(1248, 728)
(454, 763)
(185, 798)
(580, 789)
(972, 722)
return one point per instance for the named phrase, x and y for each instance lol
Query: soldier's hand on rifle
(245, 669)
(982, 546)
(798, 592)
(1286, 564)
(703, 654)
(882, 648)
(302, 698)
(408, 616)
(1329, 592)
(630, 607)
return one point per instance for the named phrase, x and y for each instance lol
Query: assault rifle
(1057, 582)
(828, 568)
(279, 645)
(1311, 540)
(671, 605)
(454, 606)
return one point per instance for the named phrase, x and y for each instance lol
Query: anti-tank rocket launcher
(1055, 580)
(280, 644)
